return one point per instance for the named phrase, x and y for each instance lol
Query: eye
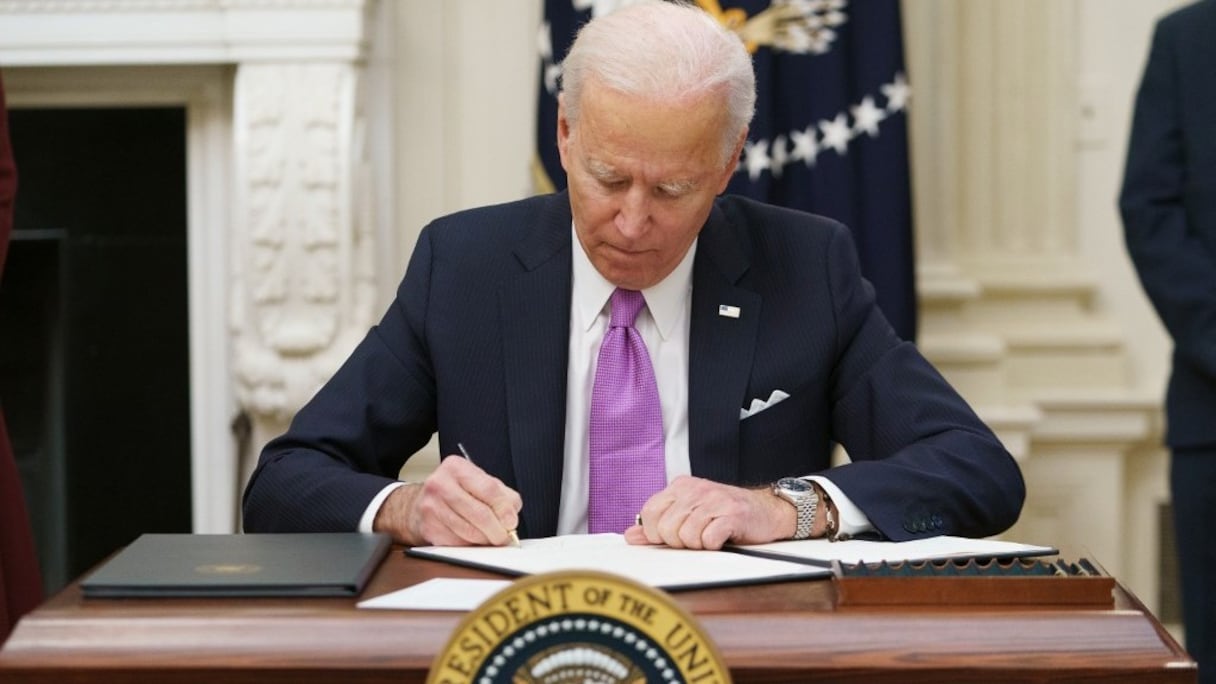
(672, 191)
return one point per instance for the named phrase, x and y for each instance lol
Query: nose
(633, 215)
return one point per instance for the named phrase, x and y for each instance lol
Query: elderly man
(638, 354)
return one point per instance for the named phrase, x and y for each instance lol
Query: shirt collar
(667, 300)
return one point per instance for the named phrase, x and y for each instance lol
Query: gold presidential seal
(578, 626)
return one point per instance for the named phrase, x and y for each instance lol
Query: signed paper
(440, 593)
(656, 566)
(823, 551)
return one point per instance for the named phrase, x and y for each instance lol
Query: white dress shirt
(663, 325)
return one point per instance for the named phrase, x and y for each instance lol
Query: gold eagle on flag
(800, 26)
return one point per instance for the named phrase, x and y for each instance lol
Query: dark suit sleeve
(1177, 269)
(351, 439)
(923, 463)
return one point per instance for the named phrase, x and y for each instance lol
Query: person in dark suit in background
(766, 346)
(20, 582)
(1168, 203)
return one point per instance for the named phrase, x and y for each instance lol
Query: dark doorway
(94, 356)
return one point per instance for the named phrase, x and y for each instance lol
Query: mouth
(625, 252)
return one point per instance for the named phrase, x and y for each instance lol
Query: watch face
(794, 484)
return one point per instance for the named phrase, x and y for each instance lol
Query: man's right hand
(459, 504)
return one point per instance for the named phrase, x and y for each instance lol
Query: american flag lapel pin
(728, 311)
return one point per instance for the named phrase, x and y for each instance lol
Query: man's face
(642, 179)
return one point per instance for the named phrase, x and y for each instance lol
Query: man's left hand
(695, 513)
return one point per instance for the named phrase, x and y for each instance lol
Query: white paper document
(656, 566)
(823, 551)
(439, 593)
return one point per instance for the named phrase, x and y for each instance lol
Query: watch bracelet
(806, 518)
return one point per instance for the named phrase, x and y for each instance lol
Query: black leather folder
(159, 565)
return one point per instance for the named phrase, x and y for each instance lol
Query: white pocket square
(759, 405)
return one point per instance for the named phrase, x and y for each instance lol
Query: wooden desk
(789, 632)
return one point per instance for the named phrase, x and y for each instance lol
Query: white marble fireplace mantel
(283, 217)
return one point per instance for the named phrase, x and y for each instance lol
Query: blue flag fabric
(830, 131)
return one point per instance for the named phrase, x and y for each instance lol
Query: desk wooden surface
(787, 632)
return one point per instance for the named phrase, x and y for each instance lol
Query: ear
(732, 162)
(563, 132)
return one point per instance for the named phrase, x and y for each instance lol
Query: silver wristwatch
(801, 494)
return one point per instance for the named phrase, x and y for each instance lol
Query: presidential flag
(830, 131)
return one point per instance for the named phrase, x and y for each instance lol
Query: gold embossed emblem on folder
(578, 626)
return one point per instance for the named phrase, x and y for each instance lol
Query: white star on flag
(866, 117)
(756, 157)
(806, 147)
(836, 133)
(544, 44)
(897, 93)
(780, 157)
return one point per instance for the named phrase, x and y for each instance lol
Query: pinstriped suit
(475, 346)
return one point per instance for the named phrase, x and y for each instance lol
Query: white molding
(57, 32)
(1096, 335)
(1124, 419)
(214, 474)
(935, 286)
(962, 348)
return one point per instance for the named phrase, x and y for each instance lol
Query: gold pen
(465, 452)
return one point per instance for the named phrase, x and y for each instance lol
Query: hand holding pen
(514, 537)
(458, 504)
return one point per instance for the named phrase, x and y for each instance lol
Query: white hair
(665, 51)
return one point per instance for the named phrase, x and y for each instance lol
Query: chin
(627, 278)
(632, 278)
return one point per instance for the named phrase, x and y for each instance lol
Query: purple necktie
(626, 436)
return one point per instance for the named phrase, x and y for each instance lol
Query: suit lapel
(535, 313)
(720, 350)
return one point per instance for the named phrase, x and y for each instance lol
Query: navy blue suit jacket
(475, 346)
(1168, 204)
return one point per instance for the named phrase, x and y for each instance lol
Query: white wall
(465, 80)
(1113, 47)
(466, 102)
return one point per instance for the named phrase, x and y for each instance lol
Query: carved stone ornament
(304, 286)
